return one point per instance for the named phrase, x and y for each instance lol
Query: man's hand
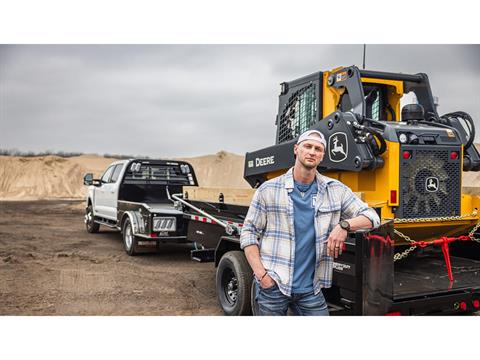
(252, 254)
(267, 282)
(336, 241)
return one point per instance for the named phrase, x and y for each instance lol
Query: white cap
(314, 135)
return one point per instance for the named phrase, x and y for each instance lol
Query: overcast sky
(189, 100)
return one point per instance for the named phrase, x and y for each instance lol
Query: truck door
(102, 193)
(111, 198)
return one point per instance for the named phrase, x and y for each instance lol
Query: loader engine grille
(430, 184)
(299, 114)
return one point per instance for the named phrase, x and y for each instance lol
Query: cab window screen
(375, 107)
(376, 102)
(299, 114)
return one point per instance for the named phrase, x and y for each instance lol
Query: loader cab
(373, 94)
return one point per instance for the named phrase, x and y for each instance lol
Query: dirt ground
(50, 265)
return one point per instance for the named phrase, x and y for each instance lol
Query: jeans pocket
(270, 293)
(269, 288)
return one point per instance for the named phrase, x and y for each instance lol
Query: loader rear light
(394, 313)
(476, 303)
(454, 155)
(462, 306)
(407, 155)
(393, 196)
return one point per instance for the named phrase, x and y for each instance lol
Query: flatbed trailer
(366, 279)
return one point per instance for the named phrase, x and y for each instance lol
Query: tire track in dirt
(49, 265)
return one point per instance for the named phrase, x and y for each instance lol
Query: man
(296, 224)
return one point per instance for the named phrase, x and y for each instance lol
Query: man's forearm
(360, 222)
(252, 253)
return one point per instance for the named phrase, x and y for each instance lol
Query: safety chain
(441, 218)
(404, 254)
(472, 233)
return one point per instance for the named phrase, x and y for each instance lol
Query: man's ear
(295, 149)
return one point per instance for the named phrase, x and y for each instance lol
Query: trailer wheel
(234, 282)
(130, 241)
(92, 226)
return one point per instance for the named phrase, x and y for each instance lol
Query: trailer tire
(91, 225)
(130, 241)
(234, 282)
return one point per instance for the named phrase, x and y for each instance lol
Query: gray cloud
(186, 100)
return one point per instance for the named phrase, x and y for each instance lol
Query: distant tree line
(15, 152)
(63, 154)
(122, 157)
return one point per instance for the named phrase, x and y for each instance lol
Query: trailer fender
(226, 244)
(138, 227)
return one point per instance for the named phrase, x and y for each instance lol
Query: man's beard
(308, 166)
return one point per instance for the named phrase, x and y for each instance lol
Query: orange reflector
(393, 196)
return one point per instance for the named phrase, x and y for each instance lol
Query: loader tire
(233, 283)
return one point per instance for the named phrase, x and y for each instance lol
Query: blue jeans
(272, 302)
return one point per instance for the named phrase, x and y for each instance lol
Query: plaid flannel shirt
(269, 225)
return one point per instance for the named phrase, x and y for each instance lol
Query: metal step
(203, 255)
(106, 222)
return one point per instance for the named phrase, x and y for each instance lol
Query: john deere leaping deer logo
(431, 184)
(338, 147)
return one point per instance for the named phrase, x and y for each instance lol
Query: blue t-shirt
(304, 216)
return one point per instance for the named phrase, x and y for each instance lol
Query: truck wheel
(130, 242)
(234, 281)
(92, 226)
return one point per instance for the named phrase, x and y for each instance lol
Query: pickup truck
(133, 196)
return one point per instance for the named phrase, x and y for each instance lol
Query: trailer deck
(424, 276)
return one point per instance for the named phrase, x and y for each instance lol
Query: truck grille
(164, 224)
(430, 183)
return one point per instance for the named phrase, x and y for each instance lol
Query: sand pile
(46, 177)
(471, 178)
(223, 169)
(53, 177)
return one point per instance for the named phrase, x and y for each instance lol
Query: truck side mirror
(88, 179)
